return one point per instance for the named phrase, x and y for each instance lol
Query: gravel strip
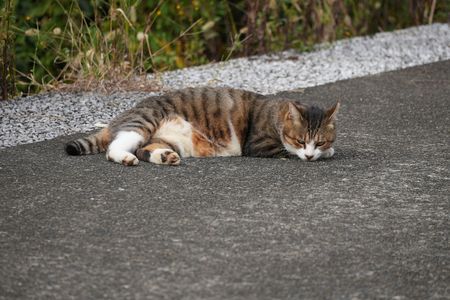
(343, 59)
(45, 116)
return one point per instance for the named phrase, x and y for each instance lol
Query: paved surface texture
(373, 222)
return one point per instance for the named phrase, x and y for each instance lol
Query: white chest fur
(179, 132)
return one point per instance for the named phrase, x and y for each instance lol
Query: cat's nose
(309, 157)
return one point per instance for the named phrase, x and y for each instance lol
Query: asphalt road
(373, 222)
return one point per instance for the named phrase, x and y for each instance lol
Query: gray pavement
(373, 222)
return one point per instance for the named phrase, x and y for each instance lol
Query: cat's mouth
(308, 157)
(307, 154)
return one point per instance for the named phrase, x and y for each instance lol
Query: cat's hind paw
(122, 157)
(165, 157)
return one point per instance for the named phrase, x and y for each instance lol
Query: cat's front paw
(328, 153)
(165, 157)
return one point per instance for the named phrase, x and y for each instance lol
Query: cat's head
(309, 132)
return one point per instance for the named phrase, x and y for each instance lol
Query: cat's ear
(332, 111)
(295, 112)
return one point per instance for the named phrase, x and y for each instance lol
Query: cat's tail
(92, 144)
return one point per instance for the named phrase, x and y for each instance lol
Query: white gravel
(46, 116)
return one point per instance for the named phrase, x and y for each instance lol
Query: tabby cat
(205, 122)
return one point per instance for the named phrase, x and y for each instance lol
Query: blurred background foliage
(45, 43)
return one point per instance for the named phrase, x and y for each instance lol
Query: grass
(109, 45)
(104, 55)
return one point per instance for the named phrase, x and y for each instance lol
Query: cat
(207, 122)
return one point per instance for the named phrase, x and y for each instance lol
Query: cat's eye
(319, 144)
(300, 141)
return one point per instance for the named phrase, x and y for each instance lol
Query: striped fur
(206, 122)
(92, 144)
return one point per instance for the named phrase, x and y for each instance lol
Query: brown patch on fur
(154, 146)
(104, 138)
(142, 155)
(202, 146)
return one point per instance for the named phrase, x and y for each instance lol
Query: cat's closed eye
(320, 144)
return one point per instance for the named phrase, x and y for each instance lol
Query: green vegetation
(103, 43)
